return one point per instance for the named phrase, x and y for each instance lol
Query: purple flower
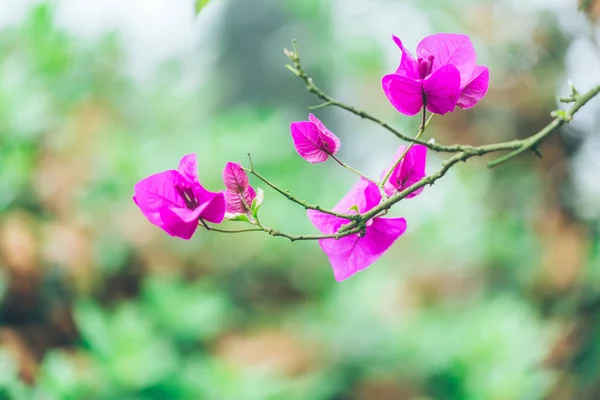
(313, 141)
(443, 76)
(353, 253)
(408, 172)
(175, 201)
(238, 194)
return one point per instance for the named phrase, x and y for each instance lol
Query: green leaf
(257, 202)
(239, 217)
(200, 5)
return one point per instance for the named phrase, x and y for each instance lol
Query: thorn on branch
(567, 99)
(537, 152)
(574, 92)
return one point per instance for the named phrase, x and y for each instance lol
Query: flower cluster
(444, 75)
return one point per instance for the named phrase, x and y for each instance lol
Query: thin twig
(293, 198)
(399, 160)
(212, 228)
(349, 168)
(291, 237)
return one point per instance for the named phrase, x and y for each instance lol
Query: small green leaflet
(239, 217)
(257, 202)
(199, 5)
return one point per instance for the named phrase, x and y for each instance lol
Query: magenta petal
(249, 195)
(351, 254)
(310, 143)
(188, 168)
(408, 65)
(405, 93)
(442, 89)
(156, 196)
(235, 177)
(410, 171)
(449, 48)
(476, 88)
(326, 223)
(215, 211)
(364, 194)
(157, 191)
(186, 215)
(175, 200)
(214, 207)
(331, 141)
(234, 201)
(173, 225)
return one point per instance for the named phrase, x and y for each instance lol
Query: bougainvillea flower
(238, 194)
(443, 76)
(313, 141)
(409, 171)
(175, 201)
(353, 253)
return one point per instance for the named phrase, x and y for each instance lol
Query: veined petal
(235, 178)
(408, 65)
(331, 141)
(449, 48)
(442, 89)
(351, 254)
(410, 170)
(309, 142)
(364, 194)
(326, 223)
(188, 168)
(234, 201)
(405, 93)
(475, 89)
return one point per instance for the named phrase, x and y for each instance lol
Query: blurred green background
(493, 292)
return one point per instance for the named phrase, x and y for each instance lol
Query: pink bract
(408, 172)
(238, 194)
(175, 201)
(353, 253)
(443, 76)
(313, 141)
